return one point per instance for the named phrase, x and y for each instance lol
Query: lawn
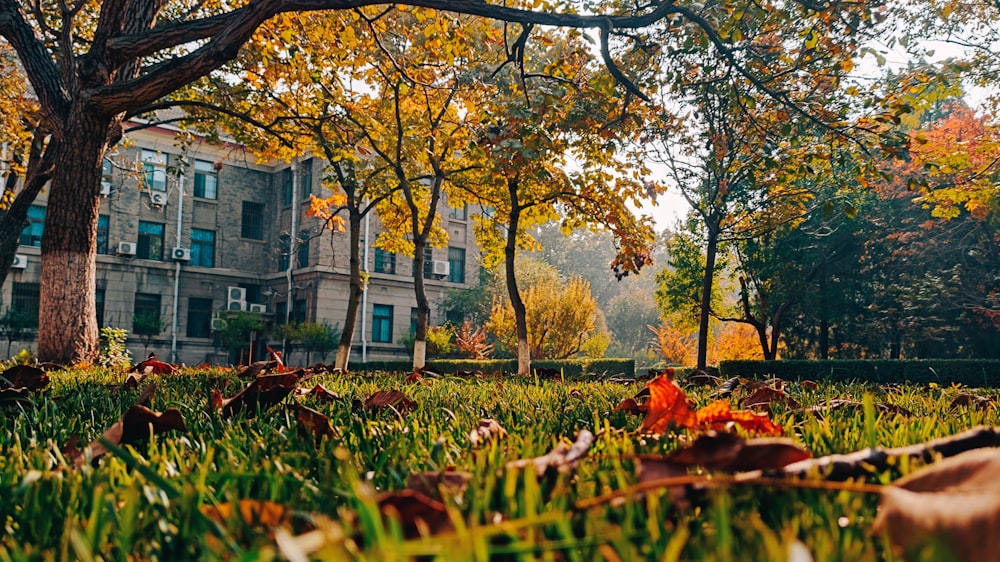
(259, 484)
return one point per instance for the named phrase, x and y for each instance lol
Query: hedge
(570, 368)
(968, 372)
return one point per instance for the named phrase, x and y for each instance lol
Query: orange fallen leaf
(718, 414)
(667, 406)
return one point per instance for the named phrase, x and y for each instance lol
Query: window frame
(203, 188)
(146, 247)
(202, 249)
(382, 323)
(252, 220)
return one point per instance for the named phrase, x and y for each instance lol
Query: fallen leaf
(726, 388)
(26, 376)
(701, 378)
(718, 415)
(415, 378)
(630, 406)
(418, 514)
(956, 501)
(314, 423)
(152, 367)
(667, 406)
(562, 457)
(730, 452)
(264, 392)
(809, 385)
(135, 424)
(487, 430)
(431, 484)
(766, 396)
(320, 393)
(966, 400)
(257, 514)
(842, 404)
(390, 399)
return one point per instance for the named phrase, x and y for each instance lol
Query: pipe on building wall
(292, 249)
(364, 294)
(177, 270)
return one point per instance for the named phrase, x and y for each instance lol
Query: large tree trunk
(711, 249)
(67, 323)
(356, 285)
(510, 252)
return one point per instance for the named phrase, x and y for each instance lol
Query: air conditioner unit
(158, 197)
(236, 306)
(20, 261)
(218, 324)
(236, 294)
(260, 308)
(126, 248)
(181, 254)
(441, 268)
(105, 188)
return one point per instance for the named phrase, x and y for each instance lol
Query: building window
(252, 221)
(456, 265)
(460, 213)
(150, 243)
(206, 180)
(199, 320)
(385, 262)
(299, 311)
(24, 299)
(32, 234)
(99, 305)
(303, 250)
(382, 323)
(428, 263)
(202, 247)
(146, 314)
(414, 313)
(103, 222)
(280, 311)
(154, 170)
(307, 178)
(286, 186)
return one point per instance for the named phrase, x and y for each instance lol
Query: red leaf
(320, 393)
(262, 393)
(390, 398)
(26, 376)
(667, 406)
(629, 405)
(719, 414)
(314, 423)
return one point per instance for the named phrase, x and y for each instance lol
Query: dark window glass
(413, 320)
(202, 247)
(146, 313)
(103, 222)
(307, 178)
(385, 262)
(286, 186)
(150, 243)
(252, 221)
(461, 213)
(206, 180)
(199, 319)
(382, 323)
(99, 305)
(24, 299)
(280, 311)
(303, 250)
(456, 265)
(32, 234)
(299, 311)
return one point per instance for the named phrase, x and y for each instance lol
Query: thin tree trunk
(510, 252)
(356, 286)
(423, 307)
(67, 324)
(711, 249)
(37, 174)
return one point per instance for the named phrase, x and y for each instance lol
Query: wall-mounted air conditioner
(105, 188)
(441, 268)
(236, 306)
(20, 261)
(158, 197)
(181, 254)
(236, 293)
(126, 248)
(259, 308)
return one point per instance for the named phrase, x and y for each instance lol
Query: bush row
(570, 368)
(969, 372)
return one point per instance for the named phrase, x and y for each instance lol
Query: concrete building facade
(183, 248)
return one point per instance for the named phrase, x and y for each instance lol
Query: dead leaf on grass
(26, 376)
(966, 400)
(384, 399)
(956, 500)
(261, 394)
(767, 396)
(135, 424)
(320, 393)
(726, 388)
(630, 406)
(314, 423)
(418, 514)
(667, 406)
(842, 404)
(719, 416)
(487, 430)
(730, 452)
(432, 483)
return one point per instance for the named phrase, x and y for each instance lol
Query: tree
(560, 317)
(92, 65)
(236, 332)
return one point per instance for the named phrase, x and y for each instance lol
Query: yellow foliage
(735, 341)
(677, 347)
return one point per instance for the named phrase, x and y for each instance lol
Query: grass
(148, 501)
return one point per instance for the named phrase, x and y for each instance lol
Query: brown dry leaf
(667, 406)
(809, 385)
(262, 393)
(9, 395)
(390, 399)
(26, 376)
(257, 514)
(320, 393)
(432, 484)
(765, 396)
(966, 400)
(418, 515)
(415, 378)
(630, 406)
(488, 430)
(314, 423)
(956, 500)
(730, 452)
(718, 415)
(134, 425)
(562, 457)
(701, 378)
(152, 367)
(726, 388)
(841, 404)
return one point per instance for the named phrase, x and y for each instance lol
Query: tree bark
(711, 250)
(513, 293)
(356, 284)
(423, 306)
(67, 323)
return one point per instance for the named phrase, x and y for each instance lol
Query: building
(180, 250)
